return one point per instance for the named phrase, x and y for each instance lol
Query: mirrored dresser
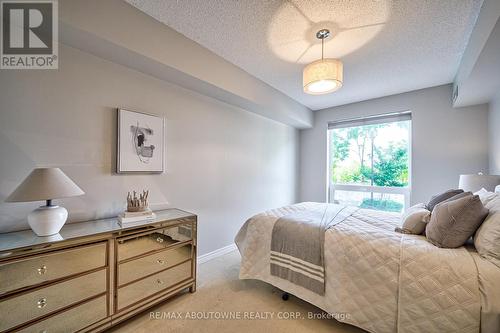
(94, 274)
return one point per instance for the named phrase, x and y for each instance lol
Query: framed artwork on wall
(141, 143)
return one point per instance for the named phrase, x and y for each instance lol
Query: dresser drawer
(50, 266)
(43, 301)
(138, 268)
(132, 246)
(149, 286)
(72, 320)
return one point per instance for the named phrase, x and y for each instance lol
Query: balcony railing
(391, 192)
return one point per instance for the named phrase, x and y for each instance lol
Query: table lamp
(475, 182)
(46, 184)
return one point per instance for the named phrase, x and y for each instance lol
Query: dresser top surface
(27, 238)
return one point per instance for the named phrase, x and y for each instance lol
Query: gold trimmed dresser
(95, 274)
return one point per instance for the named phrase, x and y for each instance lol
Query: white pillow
(487, 238)
(485, 196)
(414, 220)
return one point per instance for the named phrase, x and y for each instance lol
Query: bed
(381, 280)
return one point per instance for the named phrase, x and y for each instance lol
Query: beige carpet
(220, 292)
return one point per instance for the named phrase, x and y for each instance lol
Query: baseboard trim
(217, 253)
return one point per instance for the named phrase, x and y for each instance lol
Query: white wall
(223, 163)
(494, 131)
(121, 33)
(445, 141)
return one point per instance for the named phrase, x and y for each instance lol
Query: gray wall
(223, 163)
(445, 141)
(494, 130)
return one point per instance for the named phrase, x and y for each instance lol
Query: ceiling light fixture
(325, 75)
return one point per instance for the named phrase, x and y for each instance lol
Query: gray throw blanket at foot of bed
(297, 245)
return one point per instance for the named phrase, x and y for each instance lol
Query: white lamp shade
(45, 184)
(323, 76)
(474, 183)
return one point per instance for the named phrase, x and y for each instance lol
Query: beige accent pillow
(494, 204)
(414, 220)
(453, 222)
(487, 238)
(442, 197)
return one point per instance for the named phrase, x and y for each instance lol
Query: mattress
(383, 281)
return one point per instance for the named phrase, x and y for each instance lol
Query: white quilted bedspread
(377, 279)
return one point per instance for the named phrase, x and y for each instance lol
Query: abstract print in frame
(141, 140)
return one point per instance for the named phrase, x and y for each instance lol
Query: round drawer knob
(160, 261)
(159, 281)
(42, 302)
(42, 270)
(159, 240)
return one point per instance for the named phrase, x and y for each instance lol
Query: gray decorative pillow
(442, 197)
(414, 220)
(453, 222)
(458, 196)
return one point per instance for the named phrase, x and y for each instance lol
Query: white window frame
(376, 119)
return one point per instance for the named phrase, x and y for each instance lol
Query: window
(369, 162)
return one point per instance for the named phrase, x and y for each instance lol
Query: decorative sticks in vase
(135, 204)
(137, 209)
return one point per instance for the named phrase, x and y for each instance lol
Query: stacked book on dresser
(137, 209)
(130, 217)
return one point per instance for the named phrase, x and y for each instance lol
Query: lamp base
(47, 220)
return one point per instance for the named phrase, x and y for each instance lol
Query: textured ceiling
(387, 46)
